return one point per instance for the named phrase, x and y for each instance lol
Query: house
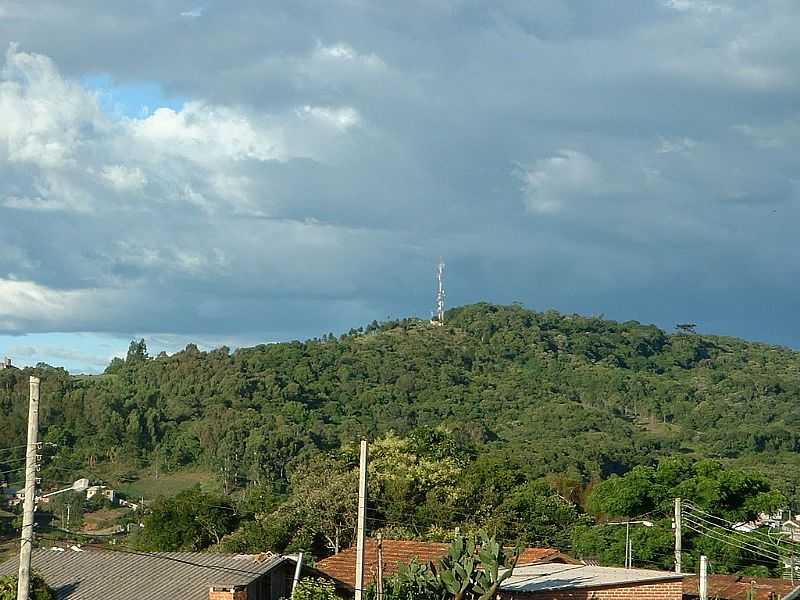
(6, 364)
(342, 566)
(739, 587)
(583, 582)
(101, 490)
(791, 529)
(81, 574)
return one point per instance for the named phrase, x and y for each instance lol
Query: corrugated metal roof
(124, 575)
(554, 576)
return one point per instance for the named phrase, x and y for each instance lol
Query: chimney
(227, 592)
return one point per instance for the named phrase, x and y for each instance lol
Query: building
(125, 575)
(585, 582)
(101, 490)
(739, 587)
(6, 364)
(396, 553)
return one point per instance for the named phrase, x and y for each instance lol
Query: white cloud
(342, 52)
(206, 133)
(43, 116)
(26, 304)
(696, 6)
(194, 13)
(675, 145)
(122, 178)
(340, 118)
(191, 155)
(553, 183)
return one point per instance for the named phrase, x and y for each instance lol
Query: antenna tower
(439, 318)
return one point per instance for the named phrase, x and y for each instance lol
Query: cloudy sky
(246, 171)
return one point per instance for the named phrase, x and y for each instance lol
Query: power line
(760, 552)
(753, 547)
(732, 526)
(749, 538)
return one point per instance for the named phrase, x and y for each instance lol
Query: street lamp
(79, 485)
(628, 543)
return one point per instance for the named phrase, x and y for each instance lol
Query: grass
(169, 484)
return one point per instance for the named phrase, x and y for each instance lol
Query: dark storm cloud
(632, 158)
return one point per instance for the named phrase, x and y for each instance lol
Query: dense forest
(542, 406)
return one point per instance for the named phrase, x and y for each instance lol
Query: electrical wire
(730, 525)
(750, 546)
(747, 538)
(762, 553)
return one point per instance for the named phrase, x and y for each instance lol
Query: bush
(315, 589)
(39, 589)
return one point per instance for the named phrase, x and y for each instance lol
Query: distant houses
(6, 364)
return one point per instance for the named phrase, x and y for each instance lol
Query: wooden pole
(362, 517)
(26, 540)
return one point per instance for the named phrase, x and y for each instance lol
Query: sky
(243, 172)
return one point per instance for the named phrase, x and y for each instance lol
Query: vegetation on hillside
(505, 418)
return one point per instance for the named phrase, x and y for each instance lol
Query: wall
(226, 595)
(671, 590)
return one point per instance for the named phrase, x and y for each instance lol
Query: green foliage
(310, 588)
(39, 590)
(516, 421)
(473, 569)
(191, 520)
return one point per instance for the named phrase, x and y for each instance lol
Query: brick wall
(668, 590)
(226, 594)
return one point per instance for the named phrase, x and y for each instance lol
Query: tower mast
(439, 318)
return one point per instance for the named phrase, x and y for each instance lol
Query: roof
(737, 587)
(554, 576)
(342, 566)
(125, 575)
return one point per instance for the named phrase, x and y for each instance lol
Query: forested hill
(579, 396)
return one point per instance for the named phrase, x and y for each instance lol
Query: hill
(583, 397)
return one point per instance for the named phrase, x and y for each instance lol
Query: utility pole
(26, 540)
(678, 535)
(362, 517)
(703, 578)
(628, 545)
(297, 570)
(380, 565)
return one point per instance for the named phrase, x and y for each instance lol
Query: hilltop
(583, 397)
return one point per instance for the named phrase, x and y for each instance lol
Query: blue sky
(247, 172)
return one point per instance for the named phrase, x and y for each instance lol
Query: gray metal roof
(124, 575)
(553, 576)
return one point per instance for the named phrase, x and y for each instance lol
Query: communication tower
(438, 319)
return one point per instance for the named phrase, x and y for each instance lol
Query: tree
(191, 520)
(310, 588)
(39, 590)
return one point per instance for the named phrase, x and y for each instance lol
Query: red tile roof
(736, 587)
(342, 566)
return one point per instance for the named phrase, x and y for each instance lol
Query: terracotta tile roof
(736, 587)
(342, 566)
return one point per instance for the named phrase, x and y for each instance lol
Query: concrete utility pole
(362, 518)
(297, 570)
(26, 541)
(678, 535)
(379, 539)
(703, 578)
